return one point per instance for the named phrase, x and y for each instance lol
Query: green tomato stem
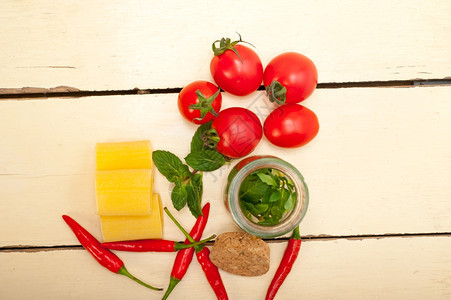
(276, 92)
(227, 44)
(204, 104)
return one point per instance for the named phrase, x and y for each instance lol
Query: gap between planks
(308, 238)
(75, 93)
(71, 92)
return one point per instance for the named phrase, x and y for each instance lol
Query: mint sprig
(188, 185)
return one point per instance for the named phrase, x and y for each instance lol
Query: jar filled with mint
(266, 196)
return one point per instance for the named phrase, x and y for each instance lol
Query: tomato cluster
(289, 78)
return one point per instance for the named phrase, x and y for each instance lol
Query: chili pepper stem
(197, 248)
(123, 271)
(179, 226)
(296, 235)
(172, 283)
(179, 246)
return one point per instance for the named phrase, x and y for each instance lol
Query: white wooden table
(379, 171)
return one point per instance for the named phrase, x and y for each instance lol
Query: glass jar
(290, 220)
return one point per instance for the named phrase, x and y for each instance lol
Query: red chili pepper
(288, 259)
(203, 257)
(104, 256)
(211, 272)
(152, 245)
(185, 256)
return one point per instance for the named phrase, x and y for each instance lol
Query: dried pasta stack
(126, 204)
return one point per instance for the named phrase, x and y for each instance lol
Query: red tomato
(291, 125)
(237, 75)
(239, 131)
(199, 101)
(294, 71)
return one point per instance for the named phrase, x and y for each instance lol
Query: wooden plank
(380, 164)
(104, 45)
(390, 268)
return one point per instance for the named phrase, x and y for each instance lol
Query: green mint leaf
(169, 165)
(284, 194)
(267, 196)
(276, 213)
(184, 172)
(199, 141)
(289, 204)
(261, 208)
(179, 195)
(267, 179)
(194, 189)
(205, 160)
(275, 196)
(251, 208)
(269, 222)
(245, 211)
(252, 189)
(289, 184)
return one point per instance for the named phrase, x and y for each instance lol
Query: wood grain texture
(104, 45)
(390, 268)
(380, 164)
